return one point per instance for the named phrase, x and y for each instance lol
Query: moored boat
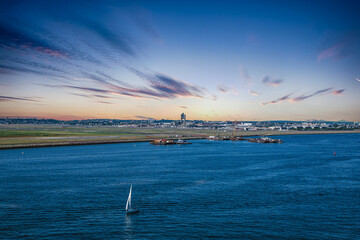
(182, 142)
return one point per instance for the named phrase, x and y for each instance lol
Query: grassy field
(19, 131)
(14, 136)
(42, 135)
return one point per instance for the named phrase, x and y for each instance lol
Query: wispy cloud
(14, 99)
(101, 96)
(3, 70)
(144, 118)
(94, 96)
(272, 82)
(142, 20)
(164, 86)
(171, 87)
(27, 69)
(120, 41)
(160, 86)
(85, 89)
(16, 39)
(338, 92)
(254, 93)
(225, 89)
(337, 49)
(104, 102)
(244, 75)
(222, 89)
(303, 97)
(281, 99)
(82, 43)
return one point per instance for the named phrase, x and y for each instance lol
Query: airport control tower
(183, 119)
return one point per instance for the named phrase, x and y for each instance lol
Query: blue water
(210, 189)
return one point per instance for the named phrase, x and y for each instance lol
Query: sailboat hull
(131, 211)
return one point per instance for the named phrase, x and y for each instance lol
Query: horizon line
(149, 119)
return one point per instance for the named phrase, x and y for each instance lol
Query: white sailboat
(128, 208)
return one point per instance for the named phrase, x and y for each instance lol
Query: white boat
(181, 141)
(128, 208)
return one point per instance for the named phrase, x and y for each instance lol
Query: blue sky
(214, 60)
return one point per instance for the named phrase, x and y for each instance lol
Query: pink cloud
(338, 92)
(226, 89)
(338, 49)
(284, 98)
(304, 96)
(330, 52)
(53, 53)
(253, 93)
(272, 82)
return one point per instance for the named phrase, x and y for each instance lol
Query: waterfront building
(183, 119)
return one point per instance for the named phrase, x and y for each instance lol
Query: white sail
(128, 203)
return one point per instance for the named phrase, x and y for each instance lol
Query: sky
(212, 60)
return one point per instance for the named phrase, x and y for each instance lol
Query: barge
(163, 142)
(169, 142)
(264, 140)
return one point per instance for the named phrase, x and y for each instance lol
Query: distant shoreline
(124, 140)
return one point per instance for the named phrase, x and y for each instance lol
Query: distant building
(183, 119)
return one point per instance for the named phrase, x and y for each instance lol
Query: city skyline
(225, 60)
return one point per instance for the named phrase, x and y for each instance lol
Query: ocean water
(210, 189)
